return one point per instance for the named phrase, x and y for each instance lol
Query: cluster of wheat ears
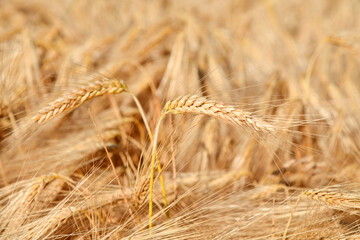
(179, 119)
(188, 104)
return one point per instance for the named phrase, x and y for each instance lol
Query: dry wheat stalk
(55, 219)
(30, 201)
(334, 198)
(52, 222)
(77, 97)
(201, 105)
(39, 185)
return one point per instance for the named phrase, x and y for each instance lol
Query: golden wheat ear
(74, 99)
(334, 198)
(200, 105)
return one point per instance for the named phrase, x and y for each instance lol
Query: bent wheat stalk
(74, 99)
(201, 105)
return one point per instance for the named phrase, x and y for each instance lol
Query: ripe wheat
(77, 97)
(201, 105)
(139, 195)
(334, 198)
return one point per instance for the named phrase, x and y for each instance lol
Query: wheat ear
(201, 105)
(74, 99)
(230, 114)
(334, 198)
(79, 96)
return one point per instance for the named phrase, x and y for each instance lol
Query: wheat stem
(162, 181)
(201, 105)
(74, 99)
(153, 157)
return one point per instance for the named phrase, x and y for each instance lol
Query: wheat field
(185, 119)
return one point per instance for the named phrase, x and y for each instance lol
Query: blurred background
(293, 64)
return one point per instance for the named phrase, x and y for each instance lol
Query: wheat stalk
(79, 96)
(201, 105)
(55, 219)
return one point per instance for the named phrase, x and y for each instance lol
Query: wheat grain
(77, 97)
(201, 105)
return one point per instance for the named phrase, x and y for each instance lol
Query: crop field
(178, 119)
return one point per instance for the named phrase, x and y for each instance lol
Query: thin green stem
(162, 182)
